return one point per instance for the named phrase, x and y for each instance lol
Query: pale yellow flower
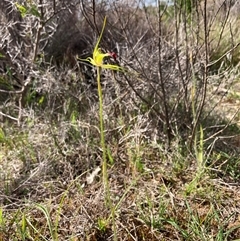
(98, 57)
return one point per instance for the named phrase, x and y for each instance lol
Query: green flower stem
(104, 151)
(104, 154)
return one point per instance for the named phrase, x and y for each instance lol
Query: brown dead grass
(154, 204)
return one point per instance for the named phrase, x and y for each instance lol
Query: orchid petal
(112, 66)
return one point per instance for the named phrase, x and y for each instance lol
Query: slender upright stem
(104, 153)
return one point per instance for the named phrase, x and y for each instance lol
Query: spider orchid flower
(98, 57)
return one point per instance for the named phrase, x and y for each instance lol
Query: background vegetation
(171, 121)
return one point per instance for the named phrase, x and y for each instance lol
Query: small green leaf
(34, 11)
(23, 228)
(73, 117)
(2, 221)
(110, 156)
(41, 100)
(21, 9)
(2, 136)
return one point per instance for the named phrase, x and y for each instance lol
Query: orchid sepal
(98, 57)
